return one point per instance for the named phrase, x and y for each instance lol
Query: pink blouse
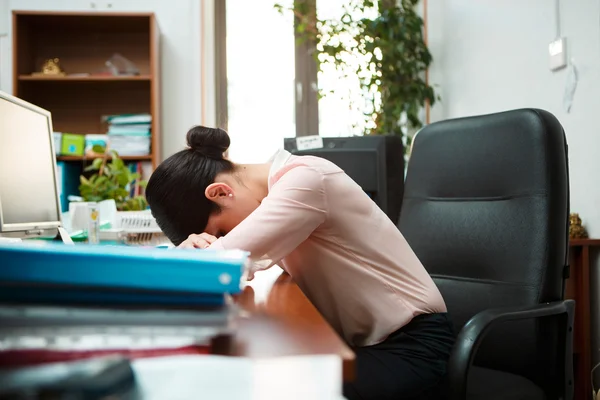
(345, 254)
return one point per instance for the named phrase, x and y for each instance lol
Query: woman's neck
(256, 178)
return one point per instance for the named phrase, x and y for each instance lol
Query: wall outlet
(557, 50)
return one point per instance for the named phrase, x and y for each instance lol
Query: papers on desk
(232, 378)
(32, 335)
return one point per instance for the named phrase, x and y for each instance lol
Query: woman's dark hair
(175, 191)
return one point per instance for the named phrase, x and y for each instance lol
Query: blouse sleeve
(293, 209)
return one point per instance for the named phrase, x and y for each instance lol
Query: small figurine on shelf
(51, 67)
(576, 229)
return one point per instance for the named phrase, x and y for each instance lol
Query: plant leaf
(99, 149)
(380, 43)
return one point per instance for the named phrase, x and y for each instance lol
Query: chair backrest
(486, 206)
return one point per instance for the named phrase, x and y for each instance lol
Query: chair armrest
(472, 334)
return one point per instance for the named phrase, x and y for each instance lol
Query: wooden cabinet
(83, 42)
(578, 288)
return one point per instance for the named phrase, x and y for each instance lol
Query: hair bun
(210, 142)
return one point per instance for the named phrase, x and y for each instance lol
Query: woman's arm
(294, 208)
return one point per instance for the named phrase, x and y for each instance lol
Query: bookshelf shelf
(85, 158)
(99, 78)
(84, 41)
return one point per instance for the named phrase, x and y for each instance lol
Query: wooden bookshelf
(91, 78)
(84, 41)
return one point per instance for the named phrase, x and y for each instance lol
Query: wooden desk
(578, 288)
(281, 321)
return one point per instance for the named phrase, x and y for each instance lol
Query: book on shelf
(125, 119)
(135, 187)
(130, 134)
(130, 130)
(95, 142)
(146, 170)
(130, 145)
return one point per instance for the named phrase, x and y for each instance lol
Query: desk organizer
(139, 228)
(56, 273)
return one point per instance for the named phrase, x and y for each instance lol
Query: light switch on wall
(557, 51)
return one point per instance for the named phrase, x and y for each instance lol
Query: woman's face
(236, 202)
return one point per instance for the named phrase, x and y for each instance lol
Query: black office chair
(486, 206)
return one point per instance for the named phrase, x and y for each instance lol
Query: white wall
(4, 14)
(493, 55)
(180, 25)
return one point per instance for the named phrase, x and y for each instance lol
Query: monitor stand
(63, 235)
(54, 234)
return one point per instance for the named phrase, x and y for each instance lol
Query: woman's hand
(201, 241)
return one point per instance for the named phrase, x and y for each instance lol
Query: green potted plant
(385, 48)
(112, 180)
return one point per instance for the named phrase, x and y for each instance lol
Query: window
(271, 83)
(341, 110)
(260, 79)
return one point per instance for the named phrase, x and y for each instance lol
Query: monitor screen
(28, 189)
(374, 162)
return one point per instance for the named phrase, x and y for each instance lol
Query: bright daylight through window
(342, 108)
(260, 73)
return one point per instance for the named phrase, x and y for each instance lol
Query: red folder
(28, 357)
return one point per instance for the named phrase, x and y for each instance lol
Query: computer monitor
(375, 163)
(29, 200)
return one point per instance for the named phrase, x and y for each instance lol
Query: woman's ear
(218, 192)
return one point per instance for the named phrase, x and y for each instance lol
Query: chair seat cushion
(491, 384)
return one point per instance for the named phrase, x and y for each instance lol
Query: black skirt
(409, 364)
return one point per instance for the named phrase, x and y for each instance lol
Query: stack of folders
(129, 134)
(61, 302)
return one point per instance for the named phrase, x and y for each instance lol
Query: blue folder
(57, 273)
